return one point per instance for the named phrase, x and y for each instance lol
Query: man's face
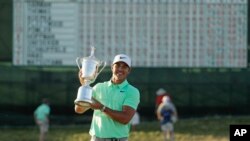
(120, 72)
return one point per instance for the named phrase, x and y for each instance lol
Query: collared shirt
(114, 97)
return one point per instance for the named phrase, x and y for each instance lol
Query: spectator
(160, 93)
(41, 116)
(167, 115)
(135, 121)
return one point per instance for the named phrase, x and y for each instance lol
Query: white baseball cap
(122, 58)
(161, 91)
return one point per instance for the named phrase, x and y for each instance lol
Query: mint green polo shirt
(113, 97)
(42, 112)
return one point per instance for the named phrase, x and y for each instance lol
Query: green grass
(195, 129)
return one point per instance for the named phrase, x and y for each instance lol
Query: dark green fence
(195, 91)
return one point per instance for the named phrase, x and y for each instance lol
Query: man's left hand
(96, 104)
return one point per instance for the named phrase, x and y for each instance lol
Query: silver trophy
(90, 66)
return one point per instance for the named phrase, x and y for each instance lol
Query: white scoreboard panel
(155, 33)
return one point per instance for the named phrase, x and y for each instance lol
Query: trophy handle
(77, 62)
(104, 65)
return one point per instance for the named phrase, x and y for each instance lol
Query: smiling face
(120, 72)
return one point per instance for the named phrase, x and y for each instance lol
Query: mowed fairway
(195, 129)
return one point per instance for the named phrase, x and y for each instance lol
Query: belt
(94, 138)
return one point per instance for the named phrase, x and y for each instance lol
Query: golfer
(114, 103)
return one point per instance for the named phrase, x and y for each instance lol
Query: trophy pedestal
(83, 103)
(84, 96)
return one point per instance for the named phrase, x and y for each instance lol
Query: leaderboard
(155, 33)
(45, 32)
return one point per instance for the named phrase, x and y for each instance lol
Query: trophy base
(85, 103)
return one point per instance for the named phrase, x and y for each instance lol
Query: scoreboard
(154, 33)
(45, 32)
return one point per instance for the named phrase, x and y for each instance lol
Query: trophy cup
(90, 72)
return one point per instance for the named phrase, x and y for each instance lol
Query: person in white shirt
(135, 121)
(167, 115)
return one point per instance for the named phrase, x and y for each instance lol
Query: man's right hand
(80, 77)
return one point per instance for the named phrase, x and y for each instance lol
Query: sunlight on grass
(190, 137)
(157, 136)
(203, 129)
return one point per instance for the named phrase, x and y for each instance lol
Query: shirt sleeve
(132, 98)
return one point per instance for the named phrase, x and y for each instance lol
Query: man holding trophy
(114, 102)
